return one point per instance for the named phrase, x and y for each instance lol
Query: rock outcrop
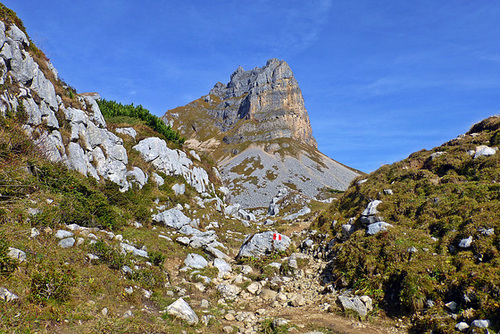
(85, 144)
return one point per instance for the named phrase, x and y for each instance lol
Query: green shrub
(51, 282)
(157, 258)
(115, 109)
(108, 255)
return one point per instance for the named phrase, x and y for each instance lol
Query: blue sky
(380, 79)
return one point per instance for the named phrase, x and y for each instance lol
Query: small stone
(7, 295)
(16, 254)
(481, 323)
(61, 234)
(268, 294)
(465, 243)
(462, 326)
(229, 317)
(377, 227)
(67, 243)
(278, 322)
(128, 314)
(412, 250)
(104, 312)
(228, 329)
(196, 261)
(298, 301)
(204, 303)
(368, 302)
(34, 233)
(129, 290)
(452, 306)
(254, 288)
(182, 310)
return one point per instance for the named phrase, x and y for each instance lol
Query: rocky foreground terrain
(109, 225)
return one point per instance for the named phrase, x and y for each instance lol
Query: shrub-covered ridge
(435, 200)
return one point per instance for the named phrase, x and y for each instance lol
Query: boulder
(158, 179)
(126, 248)
(481, 323)
(181, 309)
(377, 227)
(484, 151)
(67, 243)
(179, 188)
(228, 291)
(353, 303)
(173, 162)
(16, 254)
(462, 326)
(223, 266)
(254, 288)
(465, 243)
(263, 243)
(246, 215)
(371, 208)
(302, 212)
(195, 261)
(369, 215)
(231, 210)
(173, 218)
(137, 177)
(127, 131)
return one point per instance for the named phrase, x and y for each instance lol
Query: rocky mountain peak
(268, 95)
(257, 129)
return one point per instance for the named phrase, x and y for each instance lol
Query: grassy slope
(448, 198)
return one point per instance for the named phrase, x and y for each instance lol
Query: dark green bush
(115, 109)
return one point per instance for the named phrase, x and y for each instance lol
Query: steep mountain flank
(422, 236)
(257, 129)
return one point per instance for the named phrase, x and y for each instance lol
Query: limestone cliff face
(256, 105)
(270, 97)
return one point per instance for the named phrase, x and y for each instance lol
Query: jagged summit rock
(271, 97)
(257, 129)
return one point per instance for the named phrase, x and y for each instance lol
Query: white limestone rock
(263, 243)
(67, 243)
(127, 131)
(195, 261)
(223, 266)
(377, 227)
(7, 295)
(173, 218)
(16, 254)
(182, 310)
(484, 151)
(173, 162)
(137, 176)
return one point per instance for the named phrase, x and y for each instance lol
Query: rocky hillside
(422, 236)
(106, 226)
(257, 130)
